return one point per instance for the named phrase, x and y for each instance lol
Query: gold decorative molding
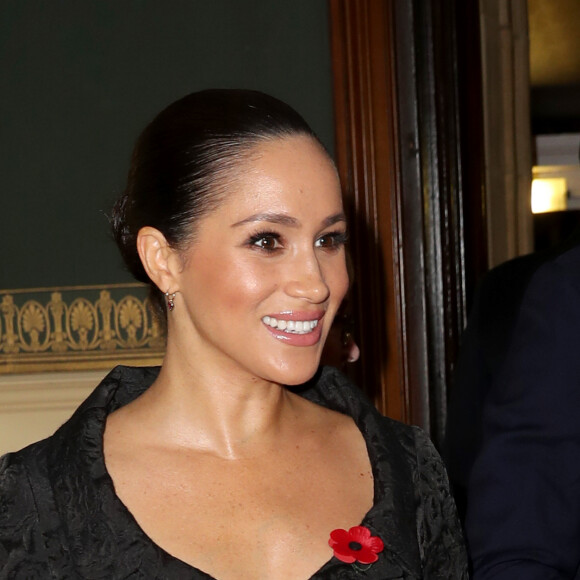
(78, 328)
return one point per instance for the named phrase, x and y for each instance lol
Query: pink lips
(309, 339)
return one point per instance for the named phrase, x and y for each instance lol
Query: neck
(218, 411)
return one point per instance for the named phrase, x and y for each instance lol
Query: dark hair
(183, 158)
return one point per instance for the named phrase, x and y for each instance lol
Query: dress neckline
(107, 481)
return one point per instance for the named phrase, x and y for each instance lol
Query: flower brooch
(355, 546)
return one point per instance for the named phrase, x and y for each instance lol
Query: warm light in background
(549, 194)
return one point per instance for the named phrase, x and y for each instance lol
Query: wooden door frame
(402, 161)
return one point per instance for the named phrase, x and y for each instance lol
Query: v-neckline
(392, 516)
(107, 481)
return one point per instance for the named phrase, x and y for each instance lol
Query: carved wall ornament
(78, 327)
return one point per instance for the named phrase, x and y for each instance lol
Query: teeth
(291, 326)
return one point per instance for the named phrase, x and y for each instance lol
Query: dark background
(79, 79)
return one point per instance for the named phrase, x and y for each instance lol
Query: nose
(305, 280)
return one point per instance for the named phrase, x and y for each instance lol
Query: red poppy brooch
(355, 546)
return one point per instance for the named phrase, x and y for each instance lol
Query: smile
(291, 326)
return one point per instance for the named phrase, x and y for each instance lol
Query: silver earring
(170, 300)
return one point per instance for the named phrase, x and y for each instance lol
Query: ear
(160, 260)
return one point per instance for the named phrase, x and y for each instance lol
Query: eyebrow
(286, 220)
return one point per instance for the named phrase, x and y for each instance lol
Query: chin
(296, 373)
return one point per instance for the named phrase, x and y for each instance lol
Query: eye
(266, 241)
(331, 241)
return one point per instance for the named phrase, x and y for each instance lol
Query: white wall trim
(33, 406)
(46, 390)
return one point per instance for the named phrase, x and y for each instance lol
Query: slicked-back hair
(182, 162)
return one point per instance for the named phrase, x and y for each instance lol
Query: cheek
(243, 283)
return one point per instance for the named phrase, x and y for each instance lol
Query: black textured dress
(60, 518)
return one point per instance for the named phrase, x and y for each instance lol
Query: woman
(238, 458)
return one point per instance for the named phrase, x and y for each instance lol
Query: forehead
(284, 173)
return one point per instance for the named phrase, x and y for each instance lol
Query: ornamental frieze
(82, 327)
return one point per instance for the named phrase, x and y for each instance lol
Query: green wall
(80, 78)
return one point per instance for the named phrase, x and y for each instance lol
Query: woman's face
(266, 273)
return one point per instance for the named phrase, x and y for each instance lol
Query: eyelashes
(266, 241)
(332, 240)
(271, 241)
